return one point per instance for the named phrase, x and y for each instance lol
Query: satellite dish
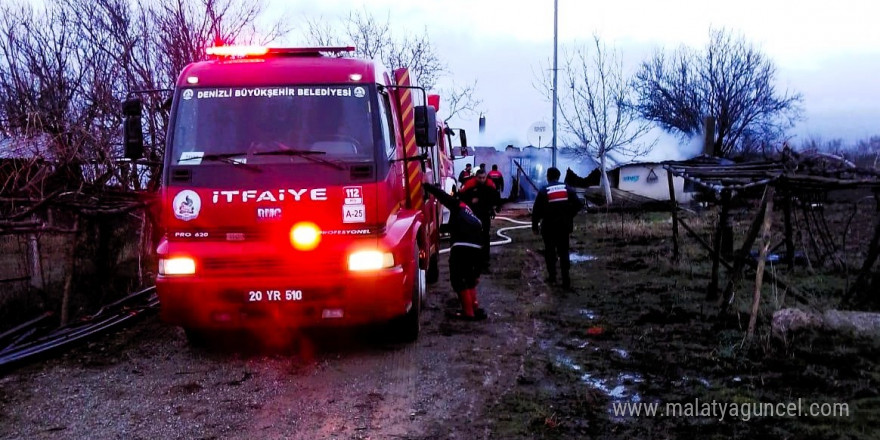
(539, 134)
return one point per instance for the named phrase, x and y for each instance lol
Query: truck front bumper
(284, 301)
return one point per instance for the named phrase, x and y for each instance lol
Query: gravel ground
(147, 382)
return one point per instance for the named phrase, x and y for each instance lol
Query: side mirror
(463, 138)
(426, 126)
(132, 129)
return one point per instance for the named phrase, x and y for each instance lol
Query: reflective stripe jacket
(498, 178)
(555, 207)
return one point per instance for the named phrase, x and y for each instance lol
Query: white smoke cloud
(671, 147)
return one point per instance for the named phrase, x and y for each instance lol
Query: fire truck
(292, 192)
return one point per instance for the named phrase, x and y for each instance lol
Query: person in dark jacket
(464, 256)
(553, 217)
(480, 194)
(497, 178)
(465, 174)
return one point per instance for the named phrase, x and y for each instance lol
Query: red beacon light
(434, 101)
(256, 51)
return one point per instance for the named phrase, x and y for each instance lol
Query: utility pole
(555, 43)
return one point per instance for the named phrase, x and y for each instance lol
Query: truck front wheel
(407, 327)
(433, 268)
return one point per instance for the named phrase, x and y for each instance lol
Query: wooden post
(762, 258)
(820, 256)
(778, 279)
(727, 234)
(743, 254)
(789, 234)
(36, 265)
(873, 252)
(696, 236)
(712, 293)
(144, 244)
(673, 206)
(528, 179)
(68, 277)
(35, 260)
(709, 136)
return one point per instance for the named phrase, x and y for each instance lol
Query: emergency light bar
(255, 51)
(236, 51)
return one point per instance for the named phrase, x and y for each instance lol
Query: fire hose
(505, 239)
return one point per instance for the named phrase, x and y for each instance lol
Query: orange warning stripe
(413, 168)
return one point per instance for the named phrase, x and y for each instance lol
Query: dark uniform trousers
(556, 246)
(464, 267)
(486, 221)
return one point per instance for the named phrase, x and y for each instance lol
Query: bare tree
(48, 88)
(869, 146)
(595, 106)
(375, 38)
(68, 66)
(460, 100)
(863, 153)
(868, 152)
(184, 28)
(65, 67)
(730, 80)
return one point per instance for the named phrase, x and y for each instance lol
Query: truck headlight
(370, 260)
(177, 266)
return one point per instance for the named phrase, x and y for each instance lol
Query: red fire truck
(292, 192)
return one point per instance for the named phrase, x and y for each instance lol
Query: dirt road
(147, 382)
(548, 364)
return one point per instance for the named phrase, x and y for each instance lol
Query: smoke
(670, 147)
(497, 139)
(667, 146)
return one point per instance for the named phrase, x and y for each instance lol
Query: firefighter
(465, 174)
(497, 178)
(464, 255)
(482, 196)
(552, 217)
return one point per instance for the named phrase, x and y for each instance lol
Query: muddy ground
(549, 363)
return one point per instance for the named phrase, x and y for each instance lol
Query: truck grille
(276, 266)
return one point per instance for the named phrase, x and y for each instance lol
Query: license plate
(285, 295)
(354, 214)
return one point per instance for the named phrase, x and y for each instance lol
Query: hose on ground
(501, 232)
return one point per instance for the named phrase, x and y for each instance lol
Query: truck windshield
(334, 121)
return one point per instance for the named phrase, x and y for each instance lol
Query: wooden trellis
(788, 177)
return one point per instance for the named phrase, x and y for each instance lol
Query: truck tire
(433, 269)
(407, 327)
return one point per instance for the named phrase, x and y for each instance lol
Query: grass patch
(649, 321)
